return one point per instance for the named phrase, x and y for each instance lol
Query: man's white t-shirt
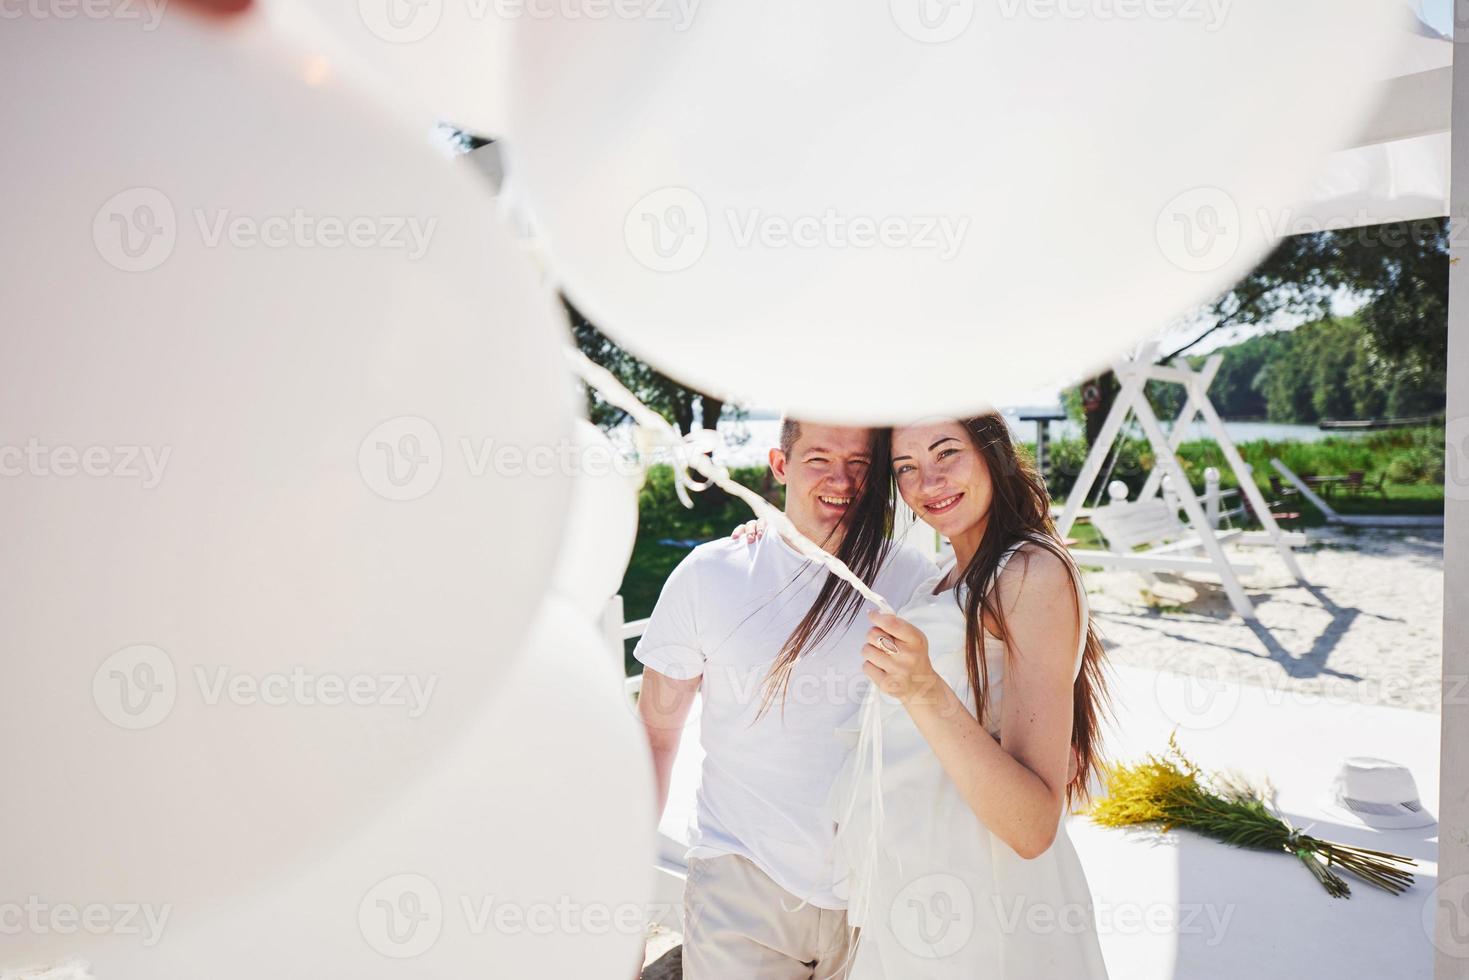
(724, 613)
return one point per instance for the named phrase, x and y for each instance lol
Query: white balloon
(446, 61)
(602, 521)
(528, 851)
(259, 341)
(887, 211)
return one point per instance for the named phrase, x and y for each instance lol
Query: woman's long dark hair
(1020, 510)
(866, 530)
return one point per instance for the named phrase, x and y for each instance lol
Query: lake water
(764, 433)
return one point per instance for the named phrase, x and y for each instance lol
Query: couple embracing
(884, 796)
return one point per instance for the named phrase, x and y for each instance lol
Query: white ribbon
(692, 453)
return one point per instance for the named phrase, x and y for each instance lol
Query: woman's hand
(897, 659)
(750, 530)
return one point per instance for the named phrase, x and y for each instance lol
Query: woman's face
(942, 476)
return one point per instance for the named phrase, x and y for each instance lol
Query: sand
(1368, 627)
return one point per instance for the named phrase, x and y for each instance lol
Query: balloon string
(692, 453)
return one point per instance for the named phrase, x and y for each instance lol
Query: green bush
(1417, 465)
(1408, 456)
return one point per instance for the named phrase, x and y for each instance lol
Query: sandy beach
(1368, 628)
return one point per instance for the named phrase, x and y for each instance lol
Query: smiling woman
(967, 480)
(941, 755)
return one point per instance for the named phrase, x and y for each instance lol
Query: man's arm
(672, 656)
(663, 706)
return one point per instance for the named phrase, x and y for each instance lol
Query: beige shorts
(737, 927)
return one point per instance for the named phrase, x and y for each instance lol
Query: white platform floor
(1179, 907)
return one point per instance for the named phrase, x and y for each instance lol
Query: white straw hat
(1377, 793)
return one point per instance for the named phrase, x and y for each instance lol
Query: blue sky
(1438, 14)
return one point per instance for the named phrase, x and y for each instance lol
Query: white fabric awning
(1398, 167)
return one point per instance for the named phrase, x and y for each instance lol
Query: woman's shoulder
(1033, 565)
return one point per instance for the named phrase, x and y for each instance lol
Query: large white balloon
(528, 851)
(881, 211)
(260, 347)
(602, 520)
(445, 60)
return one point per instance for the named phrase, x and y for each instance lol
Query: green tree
(659, 392)
(1401, 269)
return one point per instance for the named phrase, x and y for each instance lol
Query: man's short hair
(790, 431)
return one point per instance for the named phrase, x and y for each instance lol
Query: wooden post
(612, 630)
(1211, 496)
(1251, 491)
(1131, 387)
(1168, 462)
(1185, 417)
(1451, 896)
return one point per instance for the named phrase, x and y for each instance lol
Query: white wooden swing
(1154, 522)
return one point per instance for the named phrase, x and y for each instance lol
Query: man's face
(822, 475)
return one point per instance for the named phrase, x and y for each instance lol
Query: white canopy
(1398, 167)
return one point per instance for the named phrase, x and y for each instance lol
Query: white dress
(935, 894)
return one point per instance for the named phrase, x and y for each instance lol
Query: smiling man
(760, 898)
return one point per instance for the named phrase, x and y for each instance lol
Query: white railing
(616, 632)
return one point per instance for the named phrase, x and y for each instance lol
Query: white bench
(1152, 524)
